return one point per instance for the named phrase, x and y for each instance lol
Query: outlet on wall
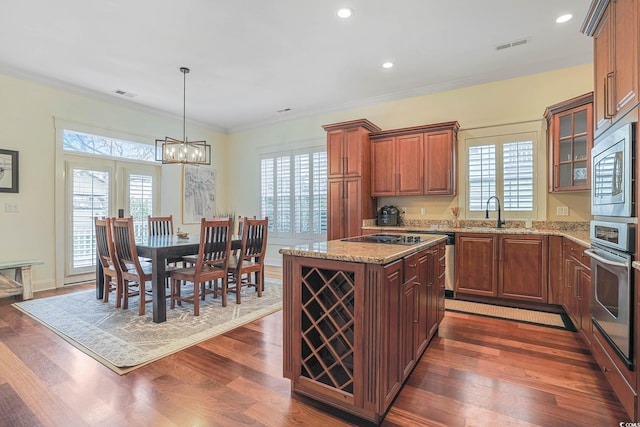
(562, 211)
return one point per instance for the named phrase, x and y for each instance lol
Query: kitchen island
(357, 317)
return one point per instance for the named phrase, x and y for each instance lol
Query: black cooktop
(389, 239)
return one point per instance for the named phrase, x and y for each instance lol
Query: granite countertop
(369, 253)
(579, 236)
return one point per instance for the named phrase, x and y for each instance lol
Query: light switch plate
(562, 211)
(11, 207)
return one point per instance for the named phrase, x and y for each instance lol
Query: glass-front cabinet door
(570, 135)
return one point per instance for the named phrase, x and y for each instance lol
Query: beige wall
(27, 112)
(509, 101)
(27, 115)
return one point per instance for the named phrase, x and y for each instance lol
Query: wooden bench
(21, 283)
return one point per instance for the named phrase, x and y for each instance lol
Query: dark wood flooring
(476, 372)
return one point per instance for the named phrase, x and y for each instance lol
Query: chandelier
(171, 150)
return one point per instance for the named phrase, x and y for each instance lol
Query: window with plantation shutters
(140, 202)
(293, 193)
(518, 176)
(502, 166)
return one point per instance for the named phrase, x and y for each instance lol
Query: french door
(98, 188)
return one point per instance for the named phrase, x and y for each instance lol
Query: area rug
(123, 341)
(553, 320)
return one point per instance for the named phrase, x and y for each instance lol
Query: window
(501, 166)
(293, 192)
(104, 146)
(140, 194)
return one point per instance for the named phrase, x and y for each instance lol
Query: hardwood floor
(477, 371)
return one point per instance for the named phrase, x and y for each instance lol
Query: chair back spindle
(160, 225)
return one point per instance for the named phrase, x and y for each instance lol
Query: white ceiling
(251, 58)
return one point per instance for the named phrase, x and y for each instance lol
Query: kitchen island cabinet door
(327, 302)
(523, 268)
(391, 370)
(476, 264)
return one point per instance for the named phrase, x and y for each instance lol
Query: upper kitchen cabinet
(349, 199)
(396, 164)
(440, 159)
(570, 137)
(348, 148)
(613, 24)
(415, 161)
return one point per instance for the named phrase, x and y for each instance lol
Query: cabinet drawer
(619, 384)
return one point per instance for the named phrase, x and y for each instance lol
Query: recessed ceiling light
(345, 12)
(387, 65)
(564, 18)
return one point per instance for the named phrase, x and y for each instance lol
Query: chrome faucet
(500, 221)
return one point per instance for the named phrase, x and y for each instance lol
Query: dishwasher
(449, 257)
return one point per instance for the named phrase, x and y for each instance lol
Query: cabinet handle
(397, 182)
(607, 96)
(413, 265)
(344, 166)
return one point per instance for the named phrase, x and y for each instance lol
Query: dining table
(158, 249)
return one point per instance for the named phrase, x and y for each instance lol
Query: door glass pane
(140, 202)
(580, 124)
(90, 199)
(565, 126)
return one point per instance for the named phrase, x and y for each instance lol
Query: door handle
(603, 260)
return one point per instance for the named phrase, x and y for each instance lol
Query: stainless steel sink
(498, 229)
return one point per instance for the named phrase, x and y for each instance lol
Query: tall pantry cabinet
(349, 172)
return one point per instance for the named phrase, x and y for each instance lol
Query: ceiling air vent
(125, 93)
(515, 43)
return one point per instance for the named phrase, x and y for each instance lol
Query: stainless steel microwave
(612, 174)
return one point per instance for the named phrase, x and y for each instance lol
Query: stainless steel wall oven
(613, 238)
(612, 286)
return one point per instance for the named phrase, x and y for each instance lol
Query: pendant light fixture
(170, 150)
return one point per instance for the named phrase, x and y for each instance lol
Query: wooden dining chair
(135, 273)
(211, 265)
(250, 258)
(107, 256)
(160, 225)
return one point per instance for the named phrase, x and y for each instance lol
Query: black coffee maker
(388, 215)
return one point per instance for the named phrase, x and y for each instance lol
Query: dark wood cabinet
(440, 161)
(397, 165)
(614, 26)
(346, 206)
(570, 138)
(502, 266)
(476, 264)
(353, 332)
(349, 170)
(577, 287)
(523, 266)
(419, 160)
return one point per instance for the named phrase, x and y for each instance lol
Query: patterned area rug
(123, 341)
(553, 320)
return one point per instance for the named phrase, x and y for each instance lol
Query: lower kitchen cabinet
(502, 266)
(577, 288)
(476, 264)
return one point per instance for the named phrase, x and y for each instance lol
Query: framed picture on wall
(198, 194)
(8, 171)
